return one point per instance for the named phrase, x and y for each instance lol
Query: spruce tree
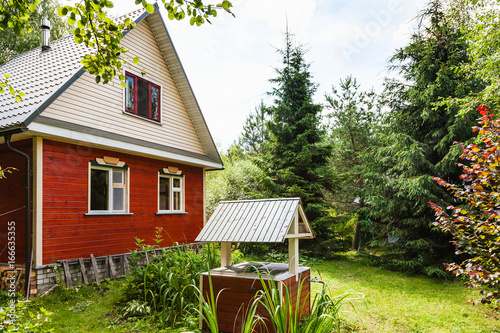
(354, 124)
(255, 133)
(418, 143)
(296, 156)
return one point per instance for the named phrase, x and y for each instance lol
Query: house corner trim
(38, 200)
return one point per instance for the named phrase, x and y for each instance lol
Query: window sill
(95, 214)
(171, 213)
(146, 119)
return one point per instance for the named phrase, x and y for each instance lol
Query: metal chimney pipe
(45, 34)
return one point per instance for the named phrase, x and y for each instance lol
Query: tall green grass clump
(160, 288)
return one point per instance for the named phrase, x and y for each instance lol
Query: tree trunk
(355, 241)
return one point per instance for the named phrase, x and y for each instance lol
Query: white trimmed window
(108, 190)
(170, 192)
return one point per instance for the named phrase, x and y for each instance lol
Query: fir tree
(255, 133)
(417, 144)
(354, 123)
(296, 156)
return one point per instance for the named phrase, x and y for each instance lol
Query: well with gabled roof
(256, 221)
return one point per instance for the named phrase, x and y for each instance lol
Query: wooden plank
(106, 267)
(67, 275)
(83, 271)
(96, 270)
(126, 267)
(112, 273)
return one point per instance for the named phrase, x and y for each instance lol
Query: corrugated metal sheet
(250, 221)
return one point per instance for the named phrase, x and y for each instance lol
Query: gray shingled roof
(252, 221)
(41, 74)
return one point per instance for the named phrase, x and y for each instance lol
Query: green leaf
(136, 60)
(150, 8)
(123, 84)
(62, 11)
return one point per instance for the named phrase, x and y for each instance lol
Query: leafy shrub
(162, 288)
(474, 221)
(241, 179)
(23, 318)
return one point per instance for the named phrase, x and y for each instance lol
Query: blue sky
(230, 62)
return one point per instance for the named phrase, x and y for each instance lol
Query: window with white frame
(107, 189)
(170, 192)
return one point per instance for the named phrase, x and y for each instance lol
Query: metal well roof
(250, 221)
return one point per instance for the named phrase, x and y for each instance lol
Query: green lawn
(398, 302)
(381, 301)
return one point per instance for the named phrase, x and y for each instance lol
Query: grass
(93, 309)
(393, 302)
(399, 302)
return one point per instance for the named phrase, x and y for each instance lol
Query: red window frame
(135, 110)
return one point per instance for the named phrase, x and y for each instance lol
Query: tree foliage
(474, 222)
(354, 120)
(255, 133)
(416, 143)
(4, 171)
(240, 179)
(94, 28)
(12, 44)
(296, 155)
(482, 34)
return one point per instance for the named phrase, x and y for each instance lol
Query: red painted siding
(12, 199)
(69, 233)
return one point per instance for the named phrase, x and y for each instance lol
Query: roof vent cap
(45, 34)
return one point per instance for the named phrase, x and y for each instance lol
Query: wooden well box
(239, 290)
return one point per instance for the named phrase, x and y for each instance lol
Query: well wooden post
(293, 247)
(225, 254)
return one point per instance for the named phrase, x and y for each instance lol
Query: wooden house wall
(68, 233)
(12, 198)
(101, 106)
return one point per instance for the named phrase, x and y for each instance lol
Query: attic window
(142, 97)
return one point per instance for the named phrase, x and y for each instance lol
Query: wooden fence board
(83, 271)
(96, 270)
(67, 274)
(112, 272)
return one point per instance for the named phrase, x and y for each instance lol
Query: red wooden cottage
(107, 163)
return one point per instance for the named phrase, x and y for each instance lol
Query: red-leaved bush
(475, 221)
